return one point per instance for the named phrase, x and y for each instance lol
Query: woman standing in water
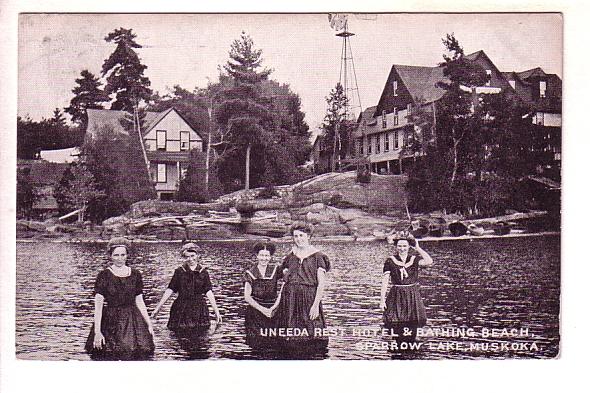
(191, 282)
(300, 303)
(260, 292)
(122, 328)
(403, 309)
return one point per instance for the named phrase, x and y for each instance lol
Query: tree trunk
(207, 163)
(455, 160)
(81, 213)
(247, 181)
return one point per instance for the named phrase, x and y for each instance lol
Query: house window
(370, 144)
(184, 140)
(183, 170)
(161, 175)
(361, 146)
(489, 74)
(395, 140)
(540, 118)
(384, 119)
(395, 117)
(409, 109)
(386, 148)
(395, 88)
(513, 84)
(161, 140)
(378, 143)
(542, 89)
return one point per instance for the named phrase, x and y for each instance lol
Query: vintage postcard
(288, 186)
(239, 189)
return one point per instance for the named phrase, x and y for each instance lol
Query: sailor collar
(255, 273)
(198, 269)
(403, 265)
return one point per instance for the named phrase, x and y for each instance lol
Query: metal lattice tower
(347, 77)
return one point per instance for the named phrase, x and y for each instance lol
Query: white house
(167, 139)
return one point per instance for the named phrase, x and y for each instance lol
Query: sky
(302, 49)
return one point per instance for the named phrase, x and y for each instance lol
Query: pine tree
(124, 72)
(335, 127)
(244, 116)
(87, 95)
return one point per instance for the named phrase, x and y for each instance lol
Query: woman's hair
(303, 227)
(189, 247)
(270, 247)
(117, 242)
(404, 235)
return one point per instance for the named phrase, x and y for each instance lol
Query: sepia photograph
(346, 186)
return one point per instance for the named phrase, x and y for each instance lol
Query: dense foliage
(481, 147)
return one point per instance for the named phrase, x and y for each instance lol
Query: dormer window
(513, 84)
(542, 89)
(489, 74)
(161, 140)
(395, 117)
(409, 109)
(395, 88)
(384, 119)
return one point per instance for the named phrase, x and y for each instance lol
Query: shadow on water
(473, 284)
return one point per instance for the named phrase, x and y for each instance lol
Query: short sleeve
(323, 262)
(138, 285)
(387, 265)
(247, 277)
(207, 282)
(100, 286)
(174, 284)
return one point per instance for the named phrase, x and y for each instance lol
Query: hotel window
(161, 175)
(542, 89)
(184, 140)
(513, 84)
(378, 143)
(489, 74)
(395, 88)
(161, 140)
(395, 140)
(395, 117)
(369, 144)
(384, 119)
(386, 148)
(409, 109)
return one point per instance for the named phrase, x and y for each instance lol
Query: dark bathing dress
(298, 295)
(264, 292)
(125, 331)
(404, 302)
(189, 310)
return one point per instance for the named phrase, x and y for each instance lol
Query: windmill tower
(347, 79)
(347, 75)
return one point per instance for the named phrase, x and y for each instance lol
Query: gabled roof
(43, 172)
(513, 75)
(538, 71)
(421, 81)
(368, 113)
(105, 117)
(473, 56)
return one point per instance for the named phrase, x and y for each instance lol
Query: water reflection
(503, 283)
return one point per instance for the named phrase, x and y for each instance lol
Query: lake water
(488, 298)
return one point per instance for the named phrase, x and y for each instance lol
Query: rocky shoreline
(335, 205)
